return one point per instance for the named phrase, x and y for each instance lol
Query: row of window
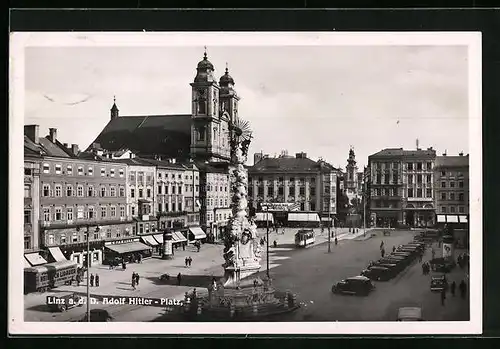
(70, 214)
(172, 176)
(282, 179)
(419, 193)
(79, 192)
(452, 196)
(80, 170)
(291, 191)
(172, 207)
(452, 184)
(140, 177)
(390, 192)
(219, 216)
(451, 174)
(217, 202)
(76, 237)
(187, 188)
(453, 209)
(149, 193)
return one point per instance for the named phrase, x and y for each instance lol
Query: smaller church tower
(228, 97)
(352, 176)
(114, 110)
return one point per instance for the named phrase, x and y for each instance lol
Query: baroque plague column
(241, 248)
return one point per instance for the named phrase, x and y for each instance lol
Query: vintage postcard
(251, 183)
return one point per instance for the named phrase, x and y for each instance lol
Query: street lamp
(363, 196)
(88, 270)
(329, 229)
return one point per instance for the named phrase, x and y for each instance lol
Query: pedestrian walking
(96, 280)
(179, 279)
(283, 233)
(452, 288)
(78, 279)
(443, 296)
(393, 249)
(137, 277)
(336, 241)
(381, 245)
(463, 289)
(91, 280)
(133, 284)
(382, 253)
(186, 262)
(184, 246)
(275, 244)
(190, 261)
(420, 258)
(423, 269)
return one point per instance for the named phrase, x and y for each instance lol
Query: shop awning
(462, 219)
(26, 264)
(303, 217)
(326, 219)
(441, 218)
(57, 254)
(452, 219)
(128, 247)
(159, 238)
(178, 237)
(35, 259)
(198, 233)
(263, 216)
(149, 240)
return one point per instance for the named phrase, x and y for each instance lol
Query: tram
(47, 276)
(304, 237)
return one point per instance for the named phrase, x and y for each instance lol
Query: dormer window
(80, 170)
(69, 169)
(91, 171)
(121, 172)
(58, 169)
(112, 172)
(103, 172)
(46, 168)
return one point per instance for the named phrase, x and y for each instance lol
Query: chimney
(74, 149)
(461, 153)
(257, 157)
(32, 132)
(66, 145)
(301, 155)
(53, 134)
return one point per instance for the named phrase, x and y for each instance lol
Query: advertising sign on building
(280, 206)
(447, 250)
(167, 246)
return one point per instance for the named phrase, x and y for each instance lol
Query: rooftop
(452, 161)
(167, 135)
(400, 152)
(289, 164)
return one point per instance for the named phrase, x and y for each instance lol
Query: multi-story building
(140, 194)
(401, 187)
(78, 192)
(215, 199)
(311, 185)
(451, 185)
(177, 190)
(31, 196)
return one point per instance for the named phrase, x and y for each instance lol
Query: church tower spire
(114, 109)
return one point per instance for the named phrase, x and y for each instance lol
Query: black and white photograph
(322, 183)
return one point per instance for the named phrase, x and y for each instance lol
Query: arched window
(201, 133)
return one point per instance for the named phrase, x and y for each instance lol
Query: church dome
(205, 63)
(226, 79)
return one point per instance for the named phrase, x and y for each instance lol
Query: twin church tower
(203, 135)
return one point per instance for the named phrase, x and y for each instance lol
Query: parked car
(410, 314)
(356, 285)
(98, 315)
(438, 284)
(64, 301)
(379, 273)
(442, 265)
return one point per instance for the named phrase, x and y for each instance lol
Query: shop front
(303, 220)
(419, 216)
(151, 242)
(386, 218)
(77, 252)
(128, 250)
(264, 219)
(195, 234)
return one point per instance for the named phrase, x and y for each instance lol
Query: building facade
(78, 194)
(31, 203)
(451, 185)
(312, 185)
(401, 187)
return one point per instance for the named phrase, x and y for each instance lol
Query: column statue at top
(241, 247)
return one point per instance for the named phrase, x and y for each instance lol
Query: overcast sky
(319, 100)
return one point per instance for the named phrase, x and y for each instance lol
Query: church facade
(201, 137)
